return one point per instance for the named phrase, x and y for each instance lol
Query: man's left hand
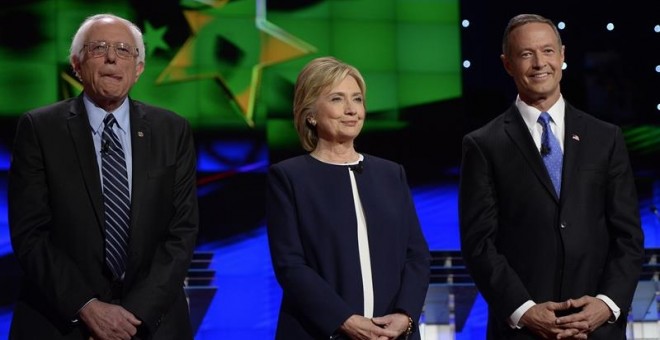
(593, 311)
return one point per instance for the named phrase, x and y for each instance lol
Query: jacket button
(563, 225)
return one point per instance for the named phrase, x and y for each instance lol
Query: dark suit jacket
(312, 231)
(56, 222)
(522, 243)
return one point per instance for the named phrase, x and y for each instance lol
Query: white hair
(78, 41)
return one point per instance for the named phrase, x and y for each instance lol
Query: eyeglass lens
(100, 48)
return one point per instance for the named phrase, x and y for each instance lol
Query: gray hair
(523, 19)
(78, 41)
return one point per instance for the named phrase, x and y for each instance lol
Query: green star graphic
(232, 42)
(153, 38)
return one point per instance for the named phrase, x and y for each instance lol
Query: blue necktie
(551, 152)
(116, 199)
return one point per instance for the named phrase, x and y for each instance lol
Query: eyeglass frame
(132, 50)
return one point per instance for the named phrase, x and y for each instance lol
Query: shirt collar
(531, 114)
(96, 115)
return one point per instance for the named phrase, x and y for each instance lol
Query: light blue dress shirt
(122, 129)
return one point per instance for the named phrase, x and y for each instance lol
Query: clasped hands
(542, 320)
(108, 321)
(387, 327)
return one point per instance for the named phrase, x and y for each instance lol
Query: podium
(644, 315)
(450, 296)
(199, 287)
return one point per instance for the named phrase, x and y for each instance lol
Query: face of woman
(340, 112)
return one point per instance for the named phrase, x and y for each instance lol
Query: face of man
(108, 77)
(535, 60)
(340, 112)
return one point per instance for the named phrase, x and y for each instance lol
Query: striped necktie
(551, 152)
(116, 199)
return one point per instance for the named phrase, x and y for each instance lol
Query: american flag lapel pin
(576, 137)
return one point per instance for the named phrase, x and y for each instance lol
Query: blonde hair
(314, 79)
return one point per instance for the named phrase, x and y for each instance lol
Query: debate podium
(644, 316)
(450, 296)
(199, 287)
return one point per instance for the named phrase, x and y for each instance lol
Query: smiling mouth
(540, 75)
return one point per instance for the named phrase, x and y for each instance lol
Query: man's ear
(75, 65)
(139, 68)
(506, 63)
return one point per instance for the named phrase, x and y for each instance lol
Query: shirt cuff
(77, 319)
(515, 317)
(616, 311)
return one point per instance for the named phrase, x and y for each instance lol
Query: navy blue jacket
(312, 232)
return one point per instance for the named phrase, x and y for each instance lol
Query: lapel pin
(576, 137)
(141, 134)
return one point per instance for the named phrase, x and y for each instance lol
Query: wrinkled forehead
(110, 30)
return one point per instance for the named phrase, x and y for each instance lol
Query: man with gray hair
(102, 203)
(549, 221)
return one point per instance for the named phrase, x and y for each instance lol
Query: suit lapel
(574, 131)
(140, 140)
(517, 130)
(81, 135)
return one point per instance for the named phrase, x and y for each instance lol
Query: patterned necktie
(115, 198)
(551, 152)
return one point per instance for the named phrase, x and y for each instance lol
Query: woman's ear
(311, 121)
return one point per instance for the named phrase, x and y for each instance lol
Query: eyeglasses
(100, 49)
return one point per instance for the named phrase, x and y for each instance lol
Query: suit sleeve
(44, 264)
(478, 210)
(416, 271)
(626, 252)
(301, 284)
(154, 294)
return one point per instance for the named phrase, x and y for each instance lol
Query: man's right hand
(542, 320)
(108, 321)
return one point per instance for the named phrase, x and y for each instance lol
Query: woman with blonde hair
(345, 241)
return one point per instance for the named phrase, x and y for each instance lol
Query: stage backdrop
(432, 70)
